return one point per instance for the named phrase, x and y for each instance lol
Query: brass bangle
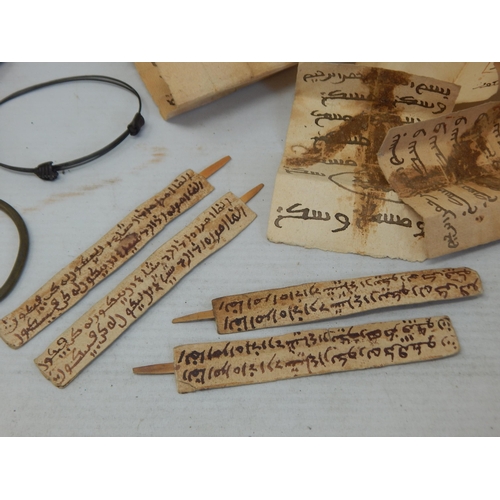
(22, 254)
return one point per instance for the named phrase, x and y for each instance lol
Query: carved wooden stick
(96, 330)
(73, 282)
(330, 299)
(214, 365)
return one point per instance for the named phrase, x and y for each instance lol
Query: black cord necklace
(47, 170)
(21, 254)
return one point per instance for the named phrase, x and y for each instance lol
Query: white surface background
(458, 396)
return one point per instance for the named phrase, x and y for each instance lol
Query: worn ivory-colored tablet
(330, 299)
(312, 352)
(73, 282)
(177, 87)
(96, 330)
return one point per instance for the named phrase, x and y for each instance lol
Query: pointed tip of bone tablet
(214, 167)
(198, 316)
(248, 196)
(159, 369)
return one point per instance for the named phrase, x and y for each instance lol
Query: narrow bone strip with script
(96, 330)
(311, 352)
(330, 299)
(73, 282)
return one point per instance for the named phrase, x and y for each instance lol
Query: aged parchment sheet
(330, 192)
(478, 81)
(180, 87)
(312, 352)
(97, 329)
(448, 170)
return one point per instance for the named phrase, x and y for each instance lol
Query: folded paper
(330, 192)
(448, 171)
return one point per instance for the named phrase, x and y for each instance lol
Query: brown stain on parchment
(489, 182)
(127, 244)
(381, 85)
(463, 163)
(408, 183)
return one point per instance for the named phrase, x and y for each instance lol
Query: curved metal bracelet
(47, 170)
(22, 254)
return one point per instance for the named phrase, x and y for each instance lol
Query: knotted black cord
(47, 170)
